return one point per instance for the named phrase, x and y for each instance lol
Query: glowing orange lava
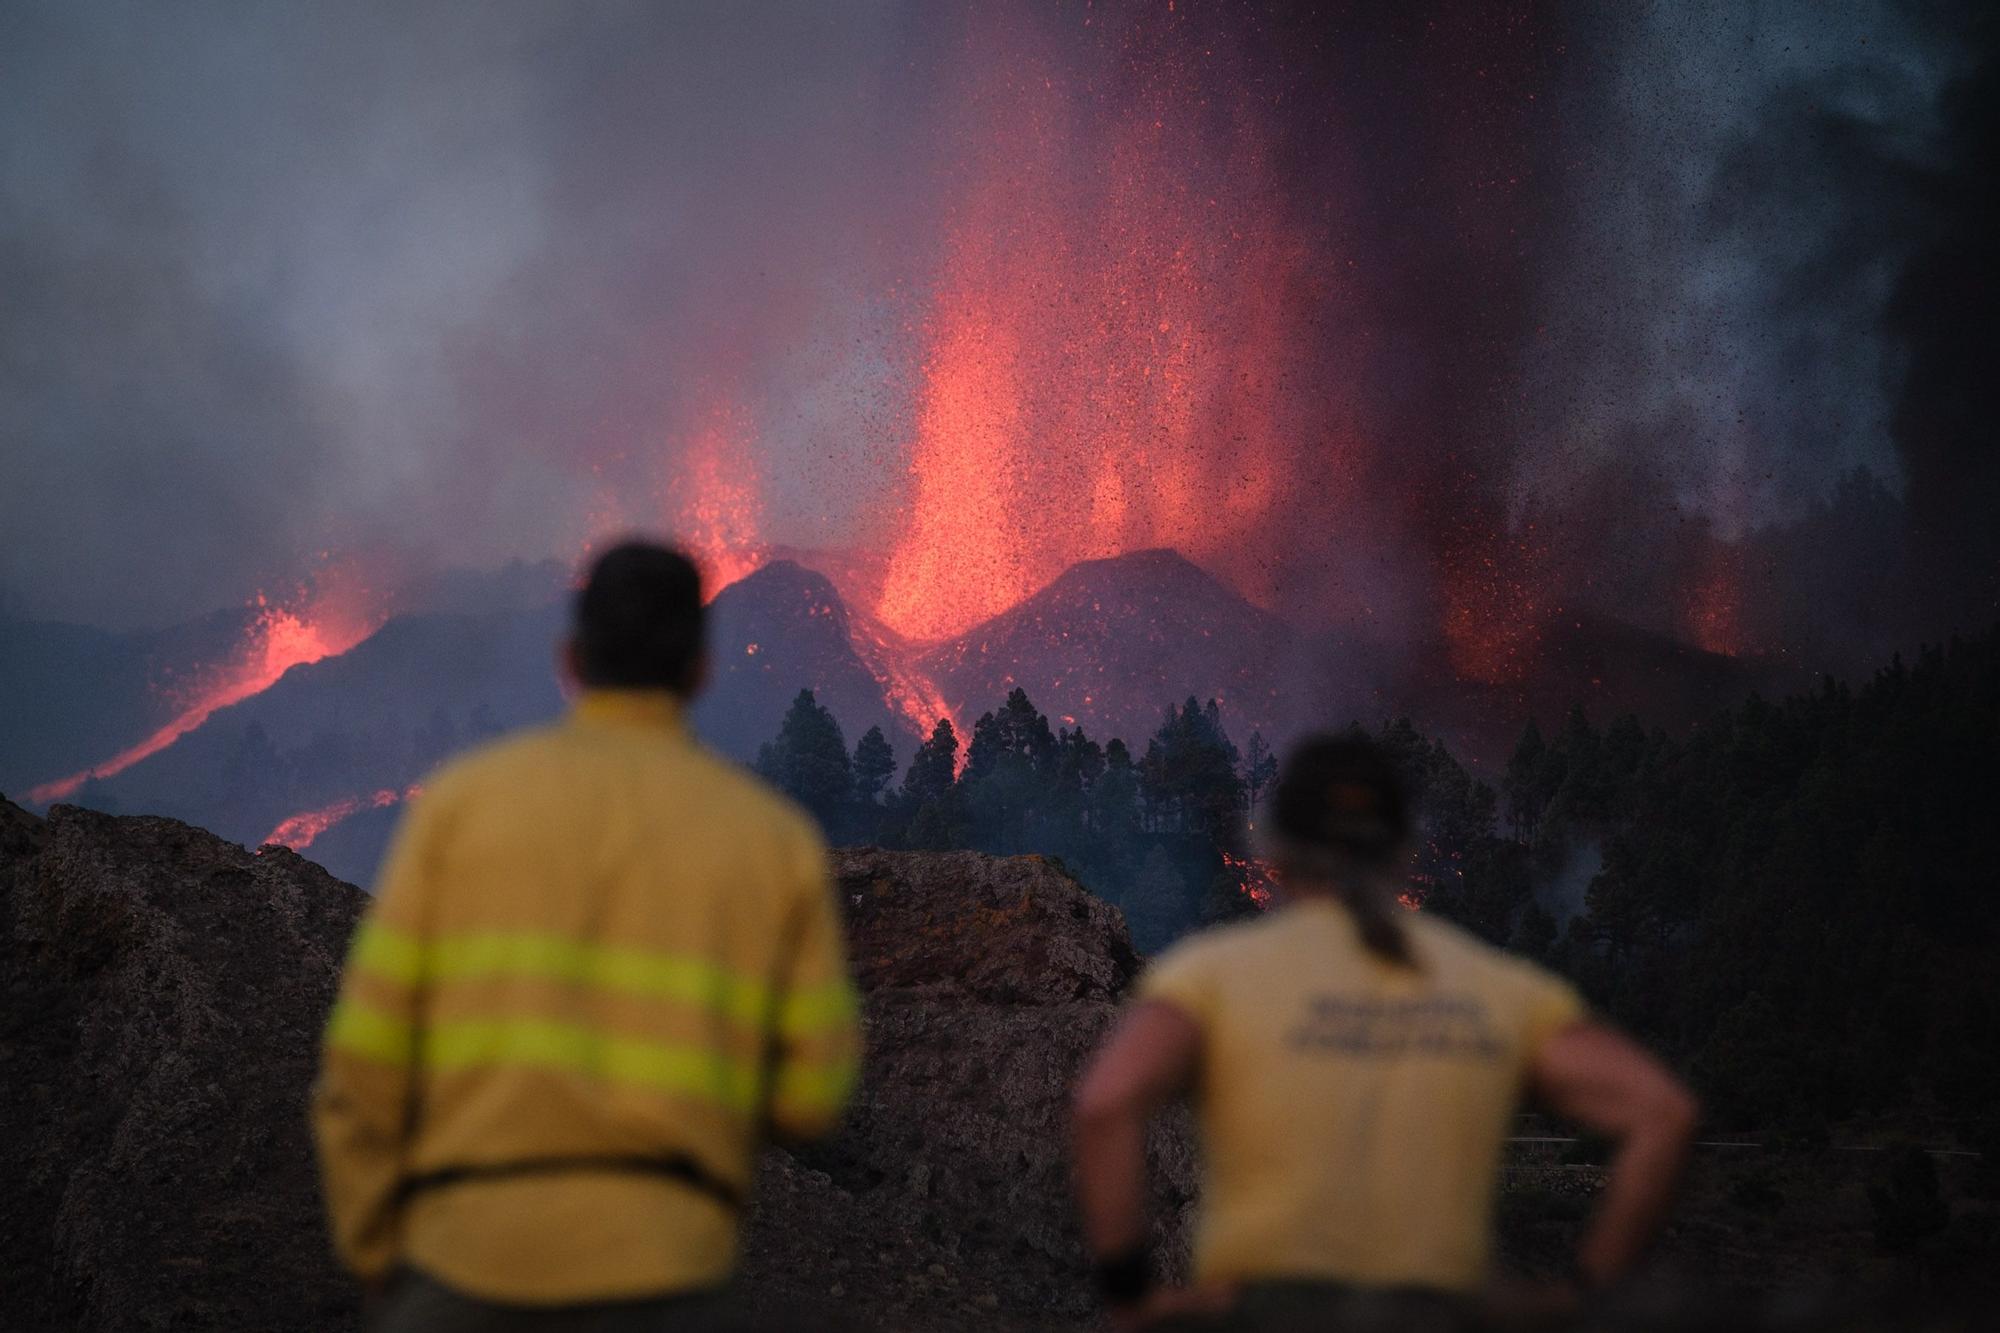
(1110, 350)
(962, 560)
(893, 663)
(1255, 878)
(298, 831)
(719, 508)
(278, 639)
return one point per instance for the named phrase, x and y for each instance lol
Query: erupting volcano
(1115, 353)
(1134, 354)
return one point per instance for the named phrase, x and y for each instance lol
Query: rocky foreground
(162, 993)
(161, 997)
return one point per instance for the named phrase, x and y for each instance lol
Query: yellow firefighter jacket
(600, 967)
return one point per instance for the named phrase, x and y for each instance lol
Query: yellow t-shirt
(1353, 1113)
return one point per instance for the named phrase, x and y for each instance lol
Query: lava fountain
(717, 494)
(1118, 351)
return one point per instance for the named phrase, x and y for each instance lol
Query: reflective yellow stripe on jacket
(401, 959)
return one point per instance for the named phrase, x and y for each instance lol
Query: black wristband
(1124, 1279)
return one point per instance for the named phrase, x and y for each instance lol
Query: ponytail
(1341, 817)
(1377, 916)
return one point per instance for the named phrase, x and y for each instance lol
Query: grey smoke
(440, 284)
(1565, 893)
(376, 276)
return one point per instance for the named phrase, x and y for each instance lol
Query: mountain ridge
(1111, 642)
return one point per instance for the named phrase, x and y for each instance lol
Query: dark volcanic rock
(930, 921)
(945, 1199)
(163, 995)
(771, 634)
(1112, 642)
(163, 990)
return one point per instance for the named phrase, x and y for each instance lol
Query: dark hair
(1341, 812)
(639, 619)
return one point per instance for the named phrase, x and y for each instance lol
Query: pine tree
(1114, 798)
(984, 751)
(1079, 764)
(1011, 777)
(933, 768)
(809, 762)
(874, 765)
(931, 803)
(1188, 776)
(1522, 784)
(1260, 767)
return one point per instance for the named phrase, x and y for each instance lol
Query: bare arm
(1147, 1061)
(1614, 1087)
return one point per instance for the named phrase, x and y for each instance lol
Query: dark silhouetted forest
(1795, 900)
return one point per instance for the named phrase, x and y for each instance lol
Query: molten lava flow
(277, 640)
(719, 509)
(298, 831)
(893, 662)
(1117, 346)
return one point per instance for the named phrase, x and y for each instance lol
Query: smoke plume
(1444, 320)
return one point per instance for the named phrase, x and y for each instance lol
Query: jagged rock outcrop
(161, 996)
(945, 1200)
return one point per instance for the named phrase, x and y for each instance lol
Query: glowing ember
(298, 831)
(1714, 611)
(1255, 879)
(277, 640)
(1493, 620)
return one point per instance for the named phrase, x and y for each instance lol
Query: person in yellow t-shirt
(1354, 1069)
(601, 968)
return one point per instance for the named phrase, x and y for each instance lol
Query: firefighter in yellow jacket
(601, 967)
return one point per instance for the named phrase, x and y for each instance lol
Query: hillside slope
(1111, 643)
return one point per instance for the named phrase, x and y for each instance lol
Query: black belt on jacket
(674, 1166)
